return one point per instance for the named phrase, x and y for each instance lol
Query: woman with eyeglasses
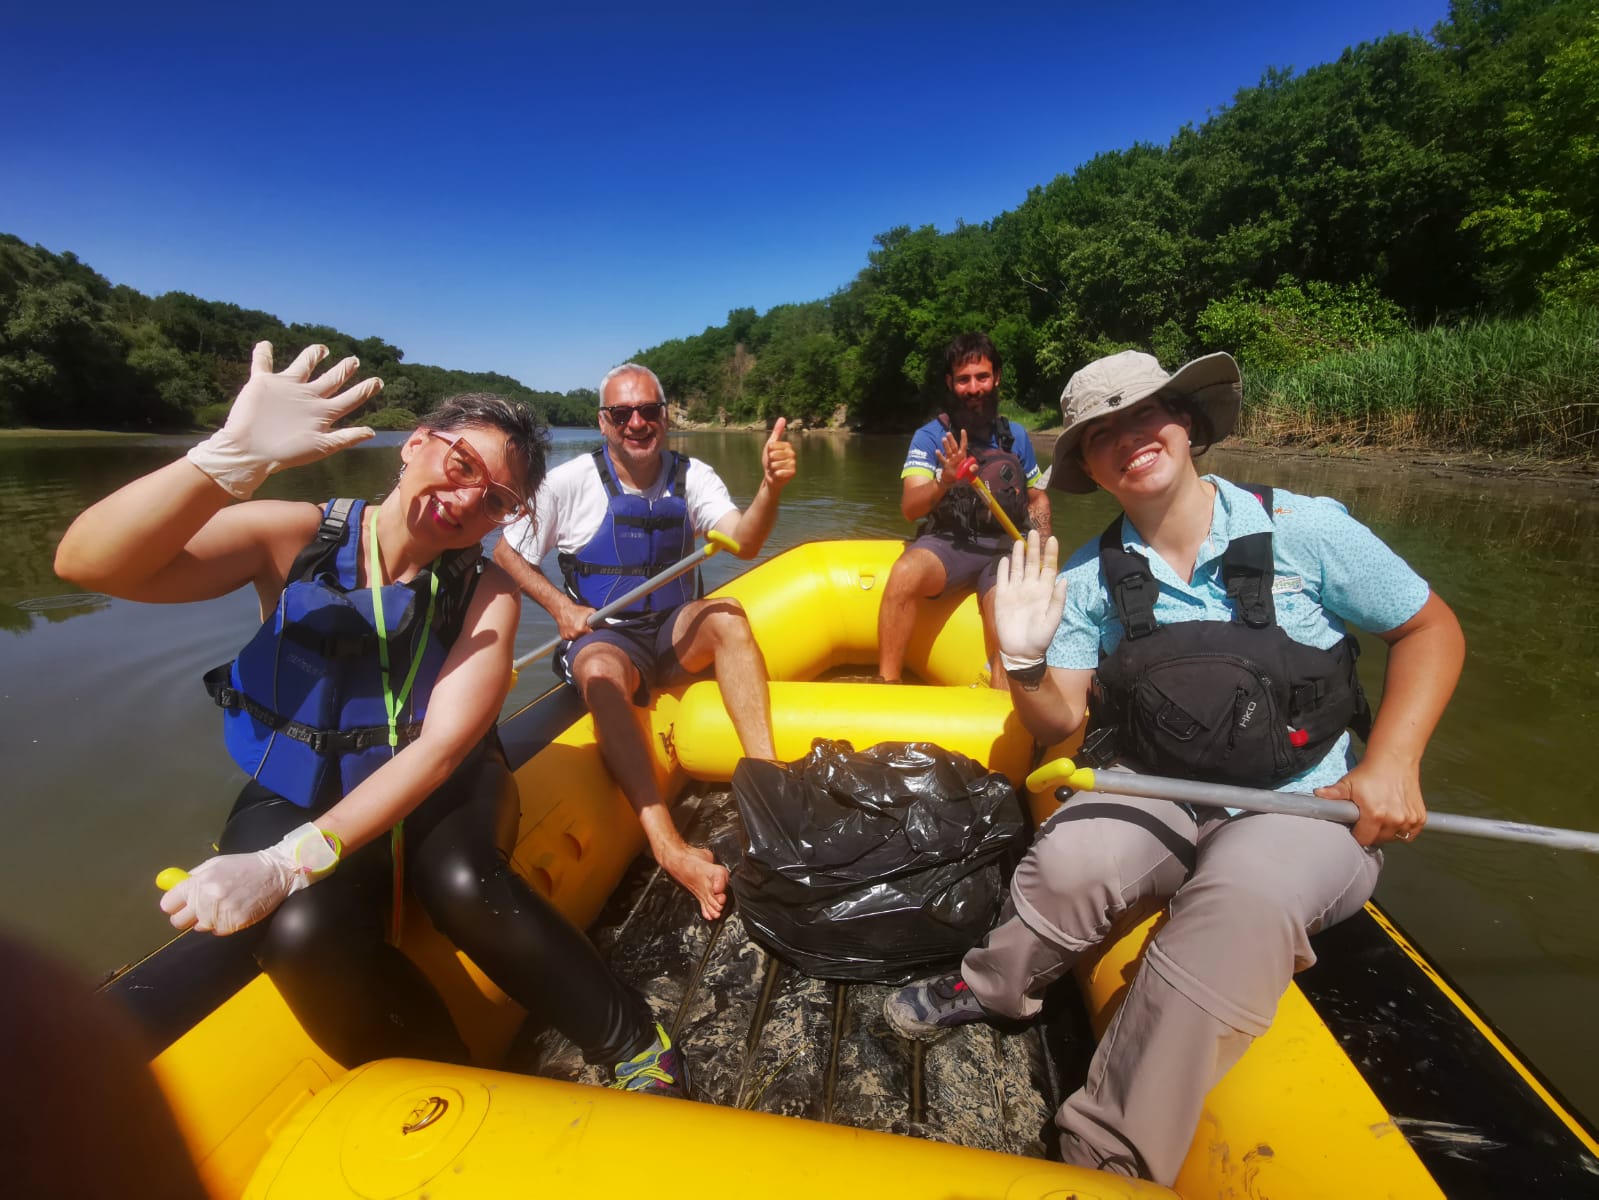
(364, 712)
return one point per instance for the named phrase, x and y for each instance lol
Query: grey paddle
(1190, 791)
(714, 541)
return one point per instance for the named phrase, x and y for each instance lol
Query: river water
(111, 764)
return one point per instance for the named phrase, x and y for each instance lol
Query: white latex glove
(283, 420)
(1028, 599)
(233, 891)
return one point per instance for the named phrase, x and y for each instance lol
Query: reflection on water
(112, 766)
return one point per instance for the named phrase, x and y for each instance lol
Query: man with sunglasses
(619, 516)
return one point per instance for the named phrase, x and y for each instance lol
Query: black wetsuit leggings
(360, 998)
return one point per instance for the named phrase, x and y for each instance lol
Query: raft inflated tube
(978, 722)
(815, 607)
(398, 1127)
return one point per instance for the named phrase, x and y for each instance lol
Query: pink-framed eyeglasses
(464, 468)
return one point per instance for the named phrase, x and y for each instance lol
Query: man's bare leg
(717, 632)
(915, 575)
(607, 680)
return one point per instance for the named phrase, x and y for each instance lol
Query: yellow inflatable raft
(1377, 1078)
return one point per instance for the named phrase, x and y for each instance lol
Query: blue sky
(493, 187)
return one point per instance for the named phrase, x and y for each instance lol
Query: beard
(977, 422)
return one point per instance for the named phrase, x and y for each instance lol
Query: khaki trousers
(1244, 895)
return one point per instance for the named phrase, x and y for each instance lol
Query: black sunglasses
(620, 414)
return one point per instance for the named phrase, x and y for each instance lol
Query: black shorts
(969, 564)
(647, 642)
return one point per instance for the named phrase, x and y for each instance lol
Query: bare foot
(696, 869)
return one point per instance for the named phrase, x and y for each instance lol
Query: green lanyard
(374, 572)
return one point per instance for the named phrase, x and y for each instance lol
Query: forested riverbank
(79, 352)
(1401, 247)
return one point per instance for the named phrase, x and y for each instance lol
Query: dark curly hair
(527, 438)
(968, 346)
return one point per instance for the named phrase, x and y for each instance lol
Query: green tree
(1544, 238)
(1292, 323)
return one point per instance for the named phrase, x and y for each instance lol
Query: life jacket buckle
(1138, 591)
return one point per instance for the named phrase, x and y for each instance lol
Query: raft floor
(760, 1035)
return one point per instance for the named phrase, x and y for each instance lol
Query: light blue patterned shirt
(1329, 569)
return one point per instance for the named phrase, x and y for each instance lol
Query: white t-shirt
(571, 503)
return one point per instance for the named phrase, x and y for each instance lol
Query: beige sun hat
(1119, 381)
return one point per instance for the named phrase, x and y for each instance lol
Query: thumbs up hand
(777, 458)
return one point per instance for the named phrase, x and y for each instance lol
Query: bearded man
(960, 540)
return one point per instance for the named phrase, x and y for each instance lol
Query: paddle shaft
(713, 542)
(1189, 791)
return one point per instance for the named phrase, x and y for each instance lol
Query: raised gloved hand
(283, 419)
(1028, 600)
(233, 891)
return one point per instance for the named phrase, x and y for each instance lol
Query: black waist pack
(880, 865)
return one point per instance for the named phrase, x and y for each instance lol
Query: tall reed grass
(1529, 385)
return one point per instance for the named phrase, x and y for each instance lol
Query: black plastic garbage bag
(882, 864)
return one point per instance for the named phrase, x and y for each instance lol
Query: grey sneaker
(931, 1008)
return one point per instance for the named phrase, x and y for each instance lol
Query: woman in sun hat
(364, 712)
(1202, 635)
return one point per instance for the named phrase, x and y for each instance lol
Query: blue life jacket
(637, 539)
(306, 693)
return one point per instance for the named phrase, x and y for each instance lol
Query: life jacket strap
(321, 741)
(334, 646)
(1132, 589)
(650, 524)
(325, 545)
(587, 568)
(613, 488)
(1246, 567)
(1004, 436)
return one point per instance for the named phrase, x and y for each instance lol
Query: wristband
(314, 852)
(1027, 673)
(1016, 662)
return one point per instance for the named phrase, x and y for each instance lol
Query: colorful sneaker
(660, 1070)
(931, 1008)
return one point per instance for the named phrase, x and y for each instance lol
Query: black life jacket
(962, 515)
(1237, 701)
